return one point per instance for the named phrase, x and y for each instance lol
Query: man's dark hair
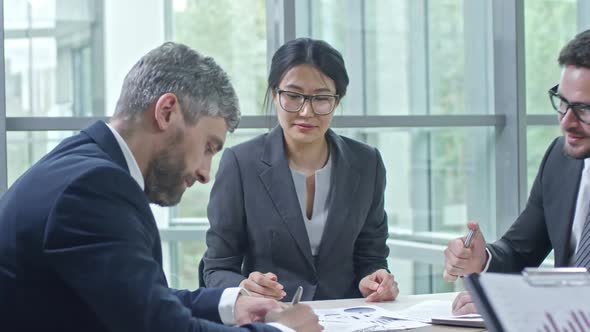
(577, 51)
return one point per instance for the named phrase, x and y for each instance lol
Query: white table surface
(402, 302)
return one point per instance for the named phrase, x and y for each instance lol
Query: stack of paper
(373, 318)
(438, 312)
(362, 319)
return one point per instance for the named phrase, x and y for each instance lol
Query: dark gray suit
(546, 222)
(257, 225)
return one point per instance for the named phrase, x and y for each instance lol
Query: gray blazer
(257, 225)
(546, 221)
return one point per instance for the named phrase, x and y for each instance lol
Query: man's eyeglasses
(561, 105)
(294, 101)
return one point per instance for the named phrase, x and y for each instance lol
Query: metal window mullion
(168, 20)
(289, 21)
(541, 120)
(418, 89)
(50, 123)
(419, 103)
(273, 28)
(174, 254)
(184, 233)
(509, 100)
(30, 33)
(261, 121)
(98, 61)
(478, 100)
(303, 25)
(30, 147)
(3, 142)
(280, 25)
(422, 252)
(583, 19)
(355, 53)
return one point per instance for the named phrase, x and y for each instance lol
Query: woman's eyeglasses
(294, 101)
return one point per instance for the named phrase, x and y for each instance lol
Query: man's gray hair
(201, 86)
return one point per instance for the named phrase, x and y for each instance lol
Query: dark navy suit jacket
(80, 250)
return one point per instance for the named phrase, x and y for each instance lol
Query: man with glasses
(557, 212)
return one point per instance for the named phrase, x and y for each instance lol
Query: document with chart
(438, 312)
(362, 319)
(513, 303)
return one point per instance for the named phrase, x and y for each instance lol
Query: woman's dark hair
(312, 52)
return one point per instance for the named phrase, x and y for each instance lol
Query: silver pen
(469, 238)
(297, 296)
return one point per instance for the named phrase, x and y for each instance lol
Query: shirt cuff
(485, 269)
(281, 327)
(227, 304)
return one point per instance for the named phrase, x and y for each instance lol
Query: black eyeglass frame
(575, 107)
(280, 91)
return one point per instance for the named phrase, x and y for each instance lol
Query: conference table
(402, 302)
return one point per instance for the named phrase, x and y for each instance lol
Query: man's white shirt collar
(129, 158)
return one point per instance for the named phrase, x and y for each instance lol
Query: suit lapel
(344, 184)
(278, 181)
(104, 138)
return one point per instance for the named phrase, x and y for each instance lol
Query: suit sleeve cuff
(227, 304)
(281, 327)
(485, 269)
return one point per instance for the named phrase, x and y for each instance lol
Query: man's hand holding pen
(298, 316)
(465, 255)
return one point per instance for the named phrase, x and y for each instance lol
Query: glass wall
(409, 58)
(27, 146)
(549, 25)
(236, 40)
(422, 91)
(52, 58)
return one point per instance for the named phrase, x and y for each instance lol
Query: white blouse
(315, 225)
